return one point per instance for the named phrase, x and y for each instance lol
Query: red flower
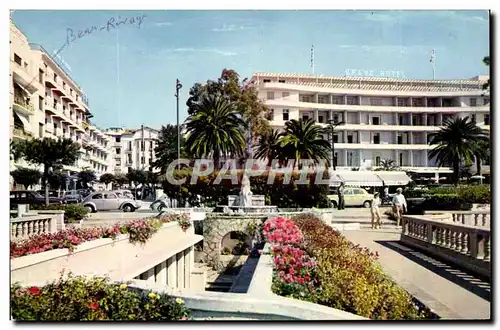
(34, 290)
(307, 278)
(93, 305)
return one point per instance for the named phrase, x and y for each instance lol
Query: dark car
(72, 197)
(31, 198)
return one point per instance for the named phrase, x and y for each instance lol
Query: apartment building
(133, 148)
(46, 102)
(378, 118)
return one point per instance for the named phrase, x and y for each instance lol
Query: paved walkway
(448, 291)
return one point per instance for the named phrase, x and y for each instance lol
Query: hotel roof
(377, 83)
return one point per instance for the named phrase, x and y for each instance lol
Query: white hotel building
(383, 118)
(46, 102)
(132, 148)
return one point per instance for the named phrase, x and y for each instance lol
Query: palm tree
(302, 140)
(481, 153)
(387, 165)
(268, 146)
(456, 143)
(215, 129)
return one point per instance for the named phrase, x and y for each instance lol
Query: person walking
(341, 205)
(375, 209)
(399, 205)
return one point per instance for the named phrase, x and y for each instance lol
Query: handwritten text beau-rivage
(112, 23)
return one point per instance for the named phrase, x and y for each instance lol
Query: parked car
(125, 193)
(109, 201)
(353, 196)
(31, 198)
(72, 197)
(52, 193)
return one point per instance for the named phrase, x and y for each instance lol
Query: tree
(137, 177)
(486, 61)
(57, 179)
(50, 153)
(120, 179)
(107, 178)
(456, 143)
(482, 152)
(244, 97)
(387, 165)
(268, 146)
(215, 129)
(302, 140)
(166, 150)
(87, 177)
(26, 176)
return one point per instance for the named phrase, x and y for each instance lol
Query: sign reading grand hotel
(374, 73)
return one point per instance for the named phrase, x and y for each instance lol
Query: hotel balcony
(279, 103)
(24, 77)
(21, 134)
(22, 106)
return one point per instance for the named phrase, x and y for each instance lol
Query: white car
(353, 196)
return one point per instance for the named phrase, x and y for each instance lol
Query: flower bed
(82, 299)
(140, 231)
(315, 263)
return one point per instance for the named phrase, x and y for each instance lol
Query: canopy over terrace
(356, 179)
(393, 178)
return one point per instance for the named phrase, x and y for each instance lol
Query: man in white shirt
(399, 205)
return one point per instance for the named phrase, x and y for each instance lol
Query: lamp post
(334, 124)
(178, 86)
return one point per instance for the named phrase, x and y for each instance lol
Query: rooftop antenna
(312, 58)
(433, 63)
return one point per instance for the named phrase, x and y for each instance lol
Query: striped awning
(360, 179)
(393, 178)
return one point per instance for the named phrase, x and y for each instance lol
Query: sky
(128, 71)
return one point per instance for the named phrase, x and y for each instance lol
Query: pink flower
(34, 290)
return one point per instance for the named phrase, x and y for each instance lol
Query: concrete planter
(99, 257)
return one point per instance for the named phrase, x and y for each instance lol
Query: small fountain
(246, 201)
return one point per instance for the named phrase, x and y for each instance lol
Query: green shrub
(72, 212)
(350, 277)
(81, 299)
(477, 194)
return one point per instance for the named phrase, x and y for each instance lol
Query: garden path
(451, 293)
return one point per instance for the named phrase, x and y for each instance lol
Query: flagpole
(312, 58)
(433, 64)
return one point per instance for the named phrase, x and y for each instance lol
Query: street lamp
(178, 86)
(333, 124)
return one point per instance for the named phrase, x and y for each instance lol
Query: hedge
(72, 212)
(291, 195)
(452, 198)
(92, 299)
(315, 263)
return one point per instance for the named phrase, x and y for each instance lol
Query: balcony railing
(20, 101)
(21, 133)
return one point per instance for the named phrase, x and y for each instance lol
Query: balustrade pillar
(487, 248)
(161, 273)
(150, 275)
(172, 272)
(180, 270)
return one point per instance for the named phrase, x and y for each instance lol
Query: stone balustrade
(477, 217)
(176, 272)
(26, 226)
(468, 246)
